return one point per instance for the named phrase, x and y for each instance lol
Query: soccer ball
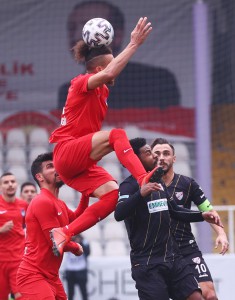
(97, 32)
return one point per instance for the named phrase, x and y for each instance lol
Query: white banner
(36, 56)
(110, 277)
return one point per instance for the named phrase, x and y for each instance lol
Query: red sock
(93, 214)
(119, 142)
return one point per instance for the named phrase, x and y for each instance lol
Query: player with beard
(38, 273)
(12, 237)
(157, 267)
(190, 193)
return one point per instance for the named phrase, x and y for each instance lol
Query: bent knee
(117, 134)
(105, 189)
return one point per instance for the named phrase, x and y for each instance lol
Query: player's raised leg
(103, 142)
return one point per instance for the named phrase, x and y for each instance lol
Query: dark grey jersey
(185, 191)
(147, 224)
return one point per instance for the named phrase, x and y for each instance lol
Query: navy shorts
(199, 267)
(165, 280)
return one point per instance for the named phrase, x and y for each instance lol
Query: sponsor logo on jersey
(157, 205)
(196, 260)
(3, 212)
(59, 213)
(179, 195)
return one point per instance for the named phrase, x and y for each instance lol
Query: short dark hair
(36, 166)
(161, 141)
(84, 53)
(7, 174)
(26, 183)
(137, 143)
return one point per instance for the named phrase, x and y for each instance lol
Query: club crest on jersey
(179, 195)
(196, 260)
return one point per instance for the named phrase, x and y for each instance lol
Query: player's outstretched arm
(114, 68)
(183, 214)
(213, 218)
(74, 248)
(83, 204)
(221, 239)
(138, 36)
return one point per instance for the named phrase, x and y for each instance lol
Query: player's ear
(98, 69)
(39, 177)
(174, 158)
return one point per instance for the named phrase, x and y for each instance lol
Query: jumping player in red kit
(79, 142)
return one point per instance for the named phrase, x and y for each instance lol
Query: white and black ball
(97, 32)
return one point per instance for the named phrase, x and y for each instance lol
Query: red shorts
(34, 286)
(75, 167)
(8, 272)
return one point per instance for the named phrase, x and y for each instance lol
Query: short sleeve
(45, 212)
(197, 195)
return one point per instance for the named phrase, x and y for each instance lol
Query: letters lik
(16, 68)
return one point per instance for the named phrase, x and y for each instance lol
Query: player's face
(49, 174)
(28, 192)
(147, 158)
(8, 185)
(78, 18)
(164, 155)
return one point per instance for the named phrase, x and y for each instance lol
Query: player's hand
(141, 31)
(7, 226)
(74, 248)
(78, 251)
(223, 242)
(212, 217)
(150, 187)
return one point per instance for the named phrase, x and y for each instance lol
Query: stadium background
(35, 61)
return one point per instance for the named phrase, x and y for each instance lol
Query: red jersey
(12, 242)
(44, 212)
(84, 110)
